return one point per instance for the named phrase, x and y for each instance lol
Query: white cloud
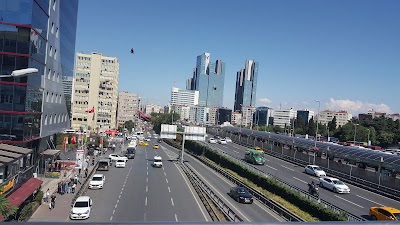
(356, 107)
(263, 101)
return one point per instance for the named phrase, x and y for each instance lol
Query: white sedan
(228, 140)
(314, 170)
(333, 184)
(212, 141)
(222, 141)
(97, 181)
(115, 157)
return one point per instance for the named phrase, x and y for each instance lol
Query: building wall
(128, 106)
(305, 114)
(284, 117)
(95, 86)
(246, 86)
(262, 116)
(326, 116)
(184, 97)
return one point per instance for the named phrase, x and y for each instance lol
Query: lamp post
(20, 73)
(368, 143)
(316, 131)
(355, 133)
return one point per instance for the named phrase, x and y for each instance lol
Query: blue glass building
(208, 79)
(261, 116)
(246, 86)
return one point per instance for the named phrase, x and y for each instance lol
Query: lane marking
(235, 151)
(300, 180)
(119, 196)
(111, 218)
(145, 201)
(145, 217)
(287, 168)
(176, 218)
(147, 173)
(369, 200)
(117, 201)
(113, 211)
(271, 167)
(122, 189)
(120, 193)
(147, 167)
(169, 190)
(116, 205)
(147, 180)
(172, 202)
(166, 180)
(147, 188)
(349, 201)
(165, 174)
(163, 168)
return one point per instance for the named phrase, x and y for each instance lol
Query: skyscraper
(208, 79)
(246, 86)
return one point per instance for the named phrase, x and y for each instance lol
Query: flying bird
(132, 51)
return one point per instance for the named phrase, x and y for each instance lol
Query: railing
(350, 217)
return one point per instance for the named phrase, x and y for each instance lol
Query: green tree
(332, 125)
(300, 125)
(163, 118)
(311, 128)
(129, 125)
(385, 138)
(277, 129)
(6, 208)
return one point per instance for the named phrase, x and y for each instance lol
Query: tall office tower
(208, 79)
(67, 82)
(246, 86)
(184, 97)
(128, 107)
(95, 92)
(41, 35)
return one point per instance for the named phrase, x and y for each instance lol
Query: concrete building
(184, 97)
(199, 115)
(152, 108)
(67, 83)
(284, 117)
(128, 106)
(326, 116)
(236, 118)
(248, 116)
(246, 86)
(208, 79)
(95, 90)
(40, 35)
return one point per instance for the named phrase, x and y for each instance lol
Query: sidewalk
(62, 208)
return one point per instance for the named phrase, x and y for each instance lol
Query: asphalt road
(255, 212)
(140, 192)
(357, 202)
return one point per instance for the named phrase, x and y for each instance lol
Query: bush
(27, 211)
(39, 196)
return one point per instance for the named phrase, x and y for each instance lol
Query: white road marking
(122, 190)
(116, 205)
(369, 200)
(120, 193)
(166, 180)
(349, 201)
(145, 217)
(300, 180)
(119, 196)
(111, 218)
(147, 173)
(176, 218)
(147, 167)
(117, 201)
(267, 159)
(145, 201)
(287, 168)
(235, 151)
(172, 201)
(163, 168)
(123, 185)
(271, 167)
(165, 174)
(113, 211)
(147, 188)
(147, 180)
(169, 190)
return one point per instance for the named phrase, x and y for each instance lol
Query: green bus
(254, 157)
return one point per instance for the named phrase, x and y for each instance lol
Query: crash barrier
(326, 204)
(85, 184)
(228, 212)
(349, 178)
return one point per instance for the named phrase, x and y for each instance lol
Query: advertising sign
(79, 158)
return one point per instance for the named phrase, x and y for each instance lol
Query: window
(52, 28)
(51, 51)
(55, 118)
(54, 4)
(47, 96)
(55, 53)
(51, 119)
(57, 32)
(45, 120)
(49, 74)
(52, 97)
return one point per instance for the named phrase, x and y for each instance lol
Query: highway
(255, 212)
(142, 193)
(357, 202)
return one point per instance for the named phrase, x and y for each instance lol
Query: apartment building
(247, 115)
(326, 116)
(184, 97)
(284, 117)
(128, 106)
(152, 108)
(236, 118)
(95, 92)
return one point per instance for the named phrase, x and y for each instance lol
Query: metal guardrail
(229, 213)
(84, 185)
(350, 216)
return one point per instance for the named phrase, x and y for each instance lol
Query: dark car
(241, 194)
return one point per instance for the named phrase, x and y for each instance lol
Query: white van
(120, 163)
(157, 161)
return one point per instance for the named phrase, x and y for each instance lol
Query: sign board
(168, 131)
(79, 158)
(195, 133)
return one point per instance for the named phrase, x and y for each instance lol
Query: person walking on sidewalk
(47, 195)
(53, 201)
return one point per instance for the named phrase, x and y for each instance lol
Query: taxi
(156, 146)
(258, 149)
(384, 213)
(143, 143)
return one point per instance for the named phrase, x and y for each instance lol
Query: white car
(115, 157)
(314, 170)
(333, 184)
(120, 163)
(212, 141)
(97, 181)
(81, 208)
(157, 161)
(222, 141)
(228, 139)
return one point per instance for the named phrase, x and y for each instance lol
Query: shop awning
(51, 152)
(23, 192)
(6, 160)
(11, 154)
(16, 149)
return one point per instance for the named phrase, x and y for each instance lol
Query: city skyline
(330, 51)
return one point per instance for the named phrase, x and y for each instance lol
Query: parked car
(212, 141)
(81, 208)
(384, 213)
(222, 141)
(115, 157)
(228, 139)
(314, 170)
(97, 181)
(241, 195)
(333, 184)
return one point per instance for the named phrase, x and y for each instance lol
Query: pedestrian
(73, 188)
(76, 181)
(53, 201)
(66, 187)
(86, 172)
(46, 195)
(79, 171)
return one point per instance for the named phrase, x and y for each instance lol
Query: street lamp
(355, 132)
(316, 131)
(368, 137)
(22, 72)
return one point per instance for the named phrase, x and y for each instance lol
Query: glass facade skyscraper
(246, 86)
(208, 79)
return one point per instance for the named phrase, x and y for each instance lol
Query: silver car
(333, 184)
(314, 170)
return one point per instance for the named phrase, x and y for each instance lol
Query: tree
(6, 208)
(385, 138)
(129, 125)
(332, 125)
(311, 128)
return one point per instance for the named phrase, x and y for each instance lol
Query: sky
(344, 53)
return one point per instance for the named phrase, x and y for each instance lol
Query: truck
(104, 164)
